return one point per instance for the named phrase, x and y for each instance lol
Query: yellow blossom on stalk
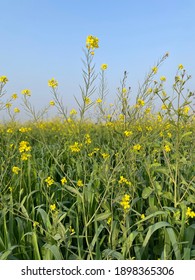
(180, 66)
(24, 147)
(9, 130)
(16, 110)
(128, 133)
(137, 147)
(163, 78)
(190, 213)
(52, 207)
(148, 128)
(92, 42)
(3, 79)
(35, 224)
(76, 147)
(52, 103)
(148, 110)
(92, 53)
(72, 231)
(63, 180)
(149, 90)
(159, 118)
(121, 117)
(25, 156)
(25, 129)
(123, 180)
(109, 221)
(49, 181)
(142, 216)
(15, 169)
(164, 107)
(105, 155)
(73, 112)
(140, 102)
(169, 134)
(80, 183)
(14, 96)
(87, 100)
(125, 202)
(87, 139)
(26, 92)
(167, 148)
(104, 66)
(8, 105)
(186, 110)
(53, 83)
(124, 90)
(99, 100)
(154, 69)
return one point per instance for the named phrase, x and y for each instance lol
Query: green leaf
(173, 239)
(150, 232)
(146, 192)
(54, 250)
(112, 254)
(103, 216)
(191, 198)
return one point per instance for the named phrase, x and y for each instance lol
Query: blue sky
(41, 39)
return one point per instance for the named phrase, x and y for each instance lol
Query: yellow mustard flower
(104, 66)
(24, 146)
(3, 79)
(137, 147)
(190, 213)
(92, 42)
(52, 83)
(180, 66)
(15, 169)
(26, 92)
(71, 229)
(49, 181)
(128, 133)
(73, 112)
(163, 78)
(52, 207)
(76, 147)
(80, 183)
(167, 148)
(8, 105)
(154, 69)
(25, 156)
(87, 100)
(63, 180)
(123, 180)
(99, 100)
(16, 110)
(14, 96)
(52, 103)
(125, 202)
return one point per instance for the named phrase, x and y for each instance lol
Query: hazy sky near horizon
(41, 39)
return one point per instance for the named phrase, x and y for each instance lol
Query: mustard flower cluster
(125, 202)
(52, 83)
(190, 213)
(92, 42)
(123, 180)
(3, 79)
(76, 147)
(49, 181)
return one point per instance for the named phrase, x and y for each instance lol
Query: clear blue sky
(41, 39)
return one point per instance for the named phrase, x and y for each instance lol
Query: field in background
(118, 187)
